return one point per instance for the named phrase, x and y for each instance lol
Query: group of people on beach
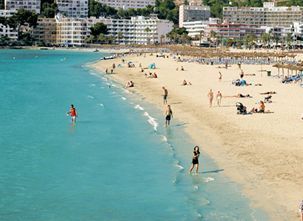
(210, 96)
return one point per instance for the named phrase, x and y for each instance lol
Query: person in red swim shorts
(73, 113)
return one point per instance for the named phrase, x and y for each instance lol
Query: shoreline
(218, 135)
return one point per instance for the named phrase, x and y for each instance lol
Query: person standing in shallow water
(195, 161)
(72, 113)
(168, 115)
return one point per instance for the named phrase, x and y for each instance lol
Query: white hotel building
(137, 30)
(269, 15)
(126, 4)
(73, 8)
(31, 5)
(8, 32)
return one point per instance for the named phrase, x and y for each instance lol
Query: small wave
(208, 179)
(180, 167)
(164, 138)
(92, 85)
(123, 98)
(139, 107)
(196, 187)
(152, 121)
(101, 105)
(93, 73)
(126, 91)
(104, 78)
(113, 92)
(90, 97)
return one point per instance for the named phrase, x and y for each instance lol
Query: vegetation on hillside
(48, 8)
(165, 9)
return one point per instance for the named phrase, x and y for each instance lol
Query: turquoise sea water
(117, 163)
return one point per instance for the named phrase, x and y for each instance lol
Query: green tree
(249, 40)
(98, 28)
(147, 30)
(265, 38)
(49, 10)
(178, 35)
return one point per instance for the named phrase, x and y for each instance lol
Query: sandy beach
(262, 152)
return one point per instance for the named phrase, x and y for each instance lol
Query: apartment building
(268, 15)
(46, 31)
(126, 4)
(7, 13)
(31, 5)
(150, 30)
(6, 30)
(71, 31)
(73, 8)
(188, 13)
(233, 31)
(197, 28)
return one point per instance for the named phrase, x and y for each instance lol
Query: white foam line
(152, 121)
(123, 98)
(179, 166)
(101, 105)
(208, 179)
(139, 107)
(92, 85)
(93, 73)
(90, 97)
(164, 138)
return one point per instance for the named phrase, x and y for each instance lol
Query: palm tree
(147, 30)
(161, 39)
(119, 36)
(201, 34)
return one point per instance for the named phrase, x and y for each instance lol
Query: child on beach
(220, 76)
(168, 115)
(165, 94)
(219, 98)
(210, 97)
(72, 113)
(195, 160)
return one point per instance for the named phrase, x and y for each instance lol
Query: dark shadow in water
(180, 125)
(213, 171)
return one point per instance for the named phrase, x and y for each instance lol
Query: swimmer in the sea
(73, 113)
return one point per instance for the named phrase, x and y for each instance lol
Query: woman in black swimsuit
(168, 115)
(195, 161)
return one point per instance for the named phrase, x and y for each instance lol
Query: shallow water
(117, 163)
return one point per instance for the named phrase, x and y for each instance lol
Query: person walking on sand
(168, 115)
(210, 97)
(195, 160)
(220, 76)
(219, 98)
(165, 94)
(72, 113)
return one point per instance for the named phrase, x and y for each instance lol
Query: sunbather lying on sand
(129, 84)
(241, 96)
(269, 92)
(261, 108)
(184, 83)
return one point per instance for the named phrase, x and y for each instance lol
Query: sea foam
(152, 121)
